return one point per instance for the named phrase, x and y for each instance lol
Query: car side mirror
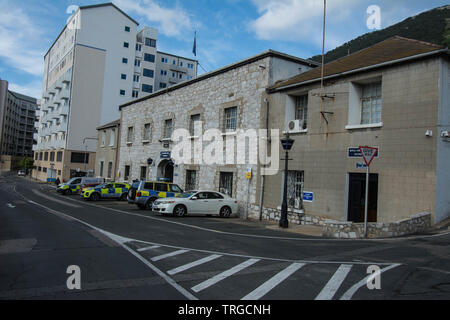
(194, 198)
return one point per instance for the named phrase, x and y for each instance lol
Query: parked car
(75, 185)
(111, 190)
(21, 173)
(144, 193)
(197, 202)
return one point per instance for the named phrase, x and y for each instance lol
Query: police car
(144, 193)
(75, 185)
(106, 191)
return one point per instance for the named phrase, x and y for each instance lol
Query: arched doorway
(165, 170)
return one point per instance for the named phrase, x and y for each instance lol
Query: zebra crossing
(224, 276)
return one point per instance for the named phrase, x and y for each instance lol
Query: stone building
(107, 156)
(228, 99)
(393, 96)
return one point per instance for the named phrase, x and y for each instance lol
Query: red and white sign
(368, 154)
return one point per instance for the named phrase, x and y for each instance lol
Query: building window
(147, 88)
(112, 138)
(123, 76)
(130, 135)
(52, 156)
(301, 110)
(168, 126)
(143, 173)
(44, 169)
(122, 92)
(136, 78)
(190, 66)
(79, 157)
(127, 172)
(46, 156)
(148, 73)
(127, 29)
(181, 63)
(103, 138)
(195, 125)
(137, 63)
(59, 156)
(138, 47)
(135, 94)
(40, 156)
(230, 119)
(109, 170)
(295, 184)
(126, 45)
(124, 60)
(371, 103)
(226, 183)
(164, 60)
(146, 133)
(164, 72)
(191, 180)
(180, 76)
(149, 57)
(101, 168)
(150, 42)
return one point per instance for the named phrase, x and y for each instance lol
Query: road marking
(193, 264)
(263, 289)
(66, 203)
(224, 275)
(350, 292)
(148, 248)
(10, 205)
(334, 283)
(168, 255)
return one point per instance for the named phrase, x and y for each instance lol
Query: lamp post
(85, 154)
(287, 144)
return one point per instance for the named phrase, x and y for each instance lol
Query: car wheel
(179, 211)
(225, 212)
(94, 197)
(149, 203)
(123, 197)
(69, 192)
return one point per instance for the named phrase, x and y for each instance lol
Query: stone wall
(347, 230)
(295, 216)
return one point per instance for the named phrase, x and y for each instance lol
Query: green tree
(27, 163)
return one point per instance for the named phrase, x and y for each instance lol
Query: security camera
(444, 134)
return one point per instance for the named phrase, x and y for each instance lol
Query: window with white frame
(130, 134)
(103, 138)
(295, 182)
(112, 137)
(168, 126)
(146, 133)
(371, 103)
(230, 119)
(301, 110)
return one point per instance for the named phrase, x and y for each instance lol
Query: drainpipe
(263, 177)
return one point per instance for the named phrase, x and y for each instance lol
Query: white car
(197, 202)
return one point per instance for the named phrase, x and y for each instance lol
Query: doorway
(165, 170)
(357, 197)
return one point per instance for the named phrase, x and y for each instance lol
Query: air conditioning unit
(295, 125)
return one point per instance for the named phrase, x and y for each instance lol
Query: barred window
(371, 103)
(295, 182)
(230, 119)
(301, 110)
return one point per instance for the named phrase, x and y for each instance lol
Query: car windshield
(187, 194)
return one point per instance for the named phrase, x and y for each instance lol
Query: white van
(75, 185)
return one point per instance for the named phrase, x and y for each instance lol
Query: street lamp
(287, 144)
(85, 154)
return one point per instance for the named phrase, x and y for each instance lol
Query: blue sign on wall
(361, 165)
(308, 196)
(165, 155)
(356, 153)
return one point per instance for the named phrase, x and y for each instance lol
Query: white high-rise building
(99, 61)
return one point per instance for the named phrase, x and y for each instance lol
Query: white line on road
(66, 203)
(263, 289)
(334, 283)
(168, 255)
(350, 292)
(224, 275)
(148, 248)
(193, 264)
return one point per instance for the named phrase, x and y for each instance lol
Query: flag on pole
(194, 49)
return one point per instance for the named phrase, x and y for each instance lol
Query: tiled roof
(392, 49)
(111, 124)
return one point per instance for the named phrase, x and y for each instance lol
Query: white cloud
(32, 89)
(172, 22)
(20, 45)
(297, 20)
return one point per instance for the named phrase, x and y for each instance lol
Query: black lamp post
(287, 144)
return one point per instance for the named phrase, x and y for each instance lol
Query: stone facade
(108, 150)
(347, 230)
(241, 85)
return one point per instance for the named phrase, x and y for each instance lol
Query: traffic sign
(368, 154)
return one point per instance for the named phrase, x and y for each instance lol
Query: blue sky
(227, 30)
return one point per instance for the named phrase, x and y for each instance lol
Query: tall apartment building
(98, 62)
(17, 116)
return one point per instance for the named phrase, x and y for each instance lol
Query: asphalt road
(127, 253)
